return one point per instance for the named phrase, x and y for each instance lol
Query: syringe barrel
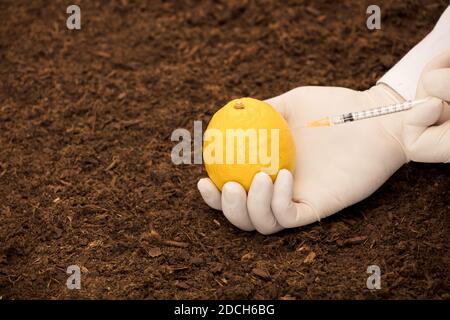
(380, 111)
(371, 113)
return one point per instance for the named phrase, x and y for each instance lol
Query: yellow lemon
(245, 137)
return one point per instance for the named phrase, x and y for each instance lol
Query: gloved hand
(335, 166)
(427, 130)
(339, 166)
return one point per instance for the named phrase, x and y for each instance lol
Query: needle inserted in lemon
(245, 137)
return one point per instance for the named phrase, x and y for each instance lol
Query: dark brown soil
(85, 170)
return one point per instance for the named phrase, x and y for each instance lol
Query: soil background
(85, 171)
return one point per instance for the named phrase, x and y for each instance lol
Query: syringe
(366, 114)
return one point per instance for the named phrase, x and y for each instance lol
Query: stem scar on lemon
(245, 137)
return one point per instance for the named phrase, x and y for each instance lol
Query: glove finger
(421, 117)
(210, 194)
(425, 114)
(290, 214)
(234, 206)
(436, 83)
(258, 205)
(433, 145)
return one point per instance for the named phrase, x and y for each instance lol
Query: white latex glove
(339, 166)
(427, 130)
(335, 166)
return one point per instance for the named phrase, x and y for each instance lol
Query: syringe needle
(324, 122)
